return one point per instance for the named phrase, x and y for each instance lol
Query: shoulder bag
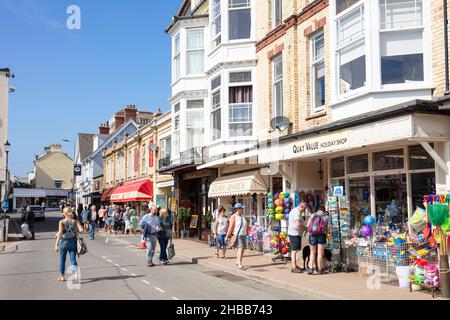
(171, 250)
(233, 240)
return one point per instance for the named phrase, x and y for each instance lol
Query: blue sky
(69, 81)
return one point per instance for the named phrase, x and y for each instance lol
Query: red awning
(140, 191)
(106, 195)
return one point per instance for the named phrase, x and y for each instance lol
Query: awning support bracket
(441, 163)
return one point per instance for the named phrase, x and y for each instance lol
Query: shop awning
(106, 195)
(238, 184)
(141, 191)
(29, 193)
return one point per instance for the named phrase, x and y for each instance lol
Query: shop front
(377, 179)
(249, 188)
(134, 193)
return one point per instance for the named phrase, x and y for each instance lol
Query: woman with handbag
(237, 234)
(66, 241)
(164, 235)
(220, 231)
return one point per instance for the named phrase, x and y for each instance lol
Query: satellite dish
(280, 123)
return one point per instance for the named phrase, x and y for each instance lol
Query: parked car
(39, 213)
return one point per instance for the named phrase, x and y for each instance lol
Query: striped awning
(238, 184)
(140, 191)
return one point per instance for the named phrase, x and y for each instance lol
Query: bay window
(194, 51)
(176, 57)
(401, 50)
(216, 113)
(277, 86)
(277, 13)
(194, 124)
(240, 111)
(351, 51)
(176, 131)
(216, 24)
(240, 20)
(317, 72)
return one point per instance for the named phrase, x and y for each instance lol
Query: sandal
(310, 271)
(241, 268)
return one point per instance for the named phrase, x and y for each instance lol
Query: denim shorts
(221, 241)
(317, 239)
(296, 242)
(242, 242)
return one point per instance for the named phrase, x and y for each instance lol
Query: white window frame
(274, 82)
(176, 131)
(176, 58)
(215, 108)
(216, 39)
(313, 65)
(199, 49)
(231, 8)
(188, 110)
(144, 159)
(361, 5)
(274, 18)
(250, 104)
(420, 27)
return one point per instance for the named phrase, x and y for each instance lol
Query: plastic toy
(366, 231)
(369, 220)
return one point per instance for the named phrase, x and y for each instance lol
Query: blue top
(153, 221)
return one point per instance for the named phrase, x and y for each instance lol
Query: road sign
(5, 205)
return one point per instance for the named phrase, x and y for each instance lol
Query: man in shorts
(295, 230)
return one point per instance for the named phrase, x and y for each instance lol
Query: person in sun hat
(238, 227)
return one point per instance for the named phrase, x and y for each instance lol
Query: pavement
(115, 269)
(115, 266)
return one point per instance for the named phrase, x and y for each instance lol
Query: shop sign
(173, 205)
(323, 144)
(237, 187)
(338, 191)
(151, 156)
(197, 174)
(77, 170)
(194, 221)
(165, 184)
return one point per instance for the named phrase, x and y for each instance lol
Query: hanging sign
(338, 191)
(151, 156)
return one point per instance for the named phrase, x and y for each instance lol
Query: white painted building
(4, 106)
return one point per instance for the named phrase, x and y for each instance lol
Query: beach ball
(270, 195)
(369, 220)
(286, 200)
(366, 231)
(286, 195)
(279, 209)
(278, 216)
(277, 202)
(281, 196)
(271, 206)
(284, 251)
(270, 200)
(286, 211)
(286, 216)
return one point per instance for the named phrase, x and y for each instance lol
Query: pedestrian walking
(133, 220)
(66, 241)
(92, 218)
(43, 205)
(164, 234)
(220, 232)
(79, 211)
(110, 219)
(126, 218)
(150, 225)
(238, 229)
(101, 216)
(317, 229)
(117, 217)
(84, 218)
(296, 228)
(29, 219)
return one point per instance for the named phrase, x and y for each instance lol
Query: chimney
(130, 113)
(119, 120)
(103, 129)
(157, 113)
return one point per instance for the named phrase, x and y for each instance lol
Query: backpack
(317, 226)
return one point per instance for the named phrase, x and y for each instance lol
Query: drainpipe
(447, 81)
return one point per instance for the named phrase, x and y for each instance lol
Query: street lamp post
(7, 147)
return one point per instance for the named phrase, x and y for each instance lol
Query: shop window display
(359, 200)
(422, 184)
(337, 167)
(358, 164)
(388, 160)
(391, 200)
(419, 158)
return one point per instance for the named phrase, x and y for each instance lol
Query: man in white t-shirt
(295, 230)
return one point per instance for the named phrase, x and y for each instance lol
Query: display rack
(340, 231)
